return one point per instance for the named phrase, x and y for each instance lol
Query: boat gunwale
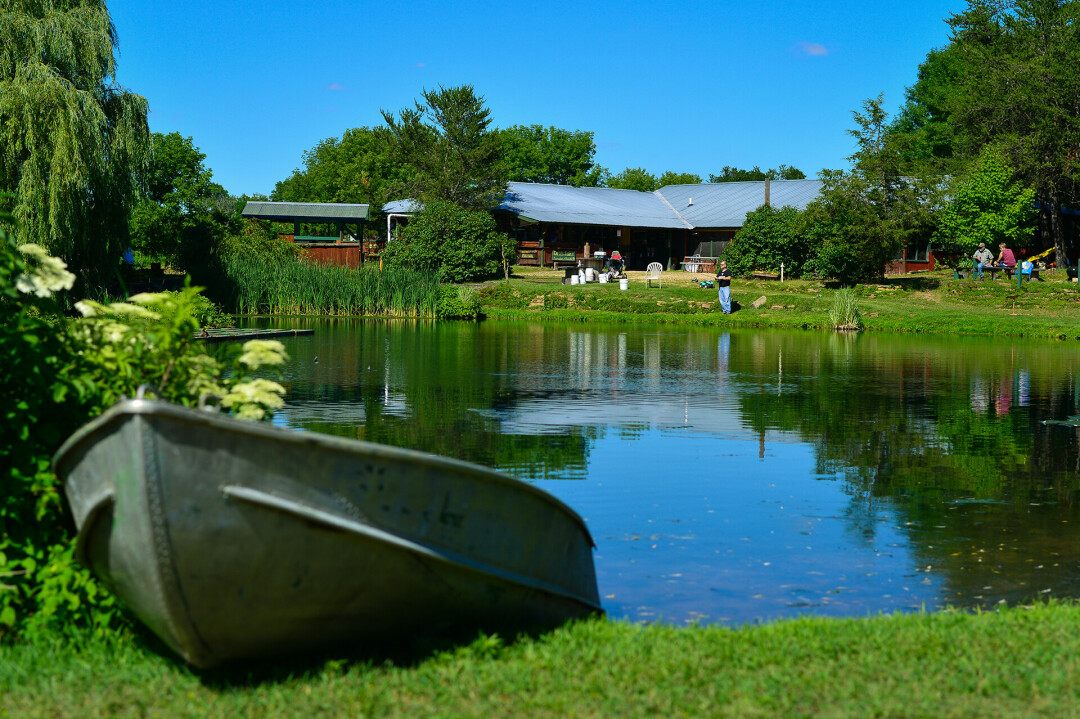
(144, 407)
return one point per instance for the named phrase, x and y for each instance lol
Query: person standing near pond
(982, 257)
(723, 284)
(1006, 258)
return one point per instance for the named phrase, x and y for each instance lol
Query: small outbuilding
(342, 225)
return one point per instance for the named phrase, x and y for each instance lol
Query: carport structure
(349, 220)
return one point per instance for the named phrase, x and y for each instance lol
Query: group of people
(985, 258)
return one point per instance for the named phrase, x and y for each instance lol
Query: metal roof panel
(311, 211)
(725, 204)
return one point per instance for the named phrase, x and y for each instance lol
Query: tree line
(984, 148)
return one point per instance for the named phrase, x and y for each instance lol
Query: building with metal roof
(561, 223)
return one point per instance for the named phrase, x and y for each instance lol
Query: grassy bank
(1016, 662)
(925, 303)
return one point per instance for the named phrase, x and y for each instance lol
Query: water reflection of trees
(895, 415)
(949, 436)
(440, 388)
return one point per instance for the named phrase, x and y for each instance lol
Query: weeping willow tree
(72, 142)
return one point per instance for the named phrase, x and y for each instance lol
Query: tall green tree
(535, 153)
(734, 174)
(862, 217)
(924, 120)
(355, 168)
(634, 178)
(449, 150)
(988, 205)
(1018, 88)
(72, 141)
(178, 217)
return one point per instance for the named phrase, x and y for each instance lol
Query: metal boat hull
(234, 540)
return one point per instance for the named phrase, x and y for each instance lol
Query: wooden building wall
(330, 253)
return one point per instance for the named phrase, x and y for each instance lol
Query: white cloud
(336, 86)
(813, 48)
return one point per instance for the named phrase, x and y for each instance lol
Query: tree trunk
(1057, 228)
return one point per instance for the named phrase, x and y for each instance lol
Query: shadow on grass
(914, 282)
(407, 652)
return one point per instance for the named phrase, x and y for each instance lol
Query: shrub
(453, 243)
(457, 303)
(56, 373)
(768, 238)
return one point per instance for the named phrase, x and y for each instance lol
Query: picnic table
(1008, 270)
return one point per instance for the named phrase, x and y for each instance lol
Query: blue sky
(688, 87)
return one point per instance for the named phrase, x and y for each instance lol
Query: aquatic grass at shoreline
(295, 286)
(1019, 661)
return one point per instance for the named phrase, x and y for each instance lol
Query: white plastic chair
(652, 272)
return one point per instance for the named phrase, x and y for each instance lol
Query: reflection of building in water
(581, 359)
(723, 353)
(651, 363)
(980, 395)
(1004, 397)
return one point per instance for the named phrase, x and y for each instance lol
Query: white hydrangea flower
(115, 332)
(252, 399)
(48, 274)
(90, 308)
(260, 353)
(134, 311)
(148, 298)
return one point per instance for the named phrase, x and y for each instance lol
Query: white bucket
(603, 277)
(624, 283)
(573, 279)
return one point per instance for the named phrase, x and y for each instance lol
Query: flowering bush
(56, 373)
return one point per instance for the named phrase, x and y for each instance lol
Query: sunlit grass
(924, 303)
(1015, 662)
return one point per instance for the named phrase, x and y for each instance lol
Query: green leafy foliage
(1007, 79)
(634, 178)
(452, 243)
(769, 237)
(535, 153)
(57, 373)
(177, 221)
(68, 133)
(863, 216)
(358, 167)
(447, 149)
(734, 174)
(679, 178)
(987, 206)
(457, 303)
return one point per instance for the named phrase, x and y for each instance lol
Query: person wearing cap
(982, 257)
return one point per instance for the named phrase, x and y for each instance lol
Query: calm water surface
(737, 476)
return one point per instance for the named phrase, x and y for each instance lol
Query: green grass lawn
(1017, 662)
(925, 303)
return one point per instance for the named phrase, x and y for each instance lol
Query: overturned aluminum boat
(236, 540)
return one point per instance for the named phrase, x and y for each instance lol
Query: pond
(741, 476)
